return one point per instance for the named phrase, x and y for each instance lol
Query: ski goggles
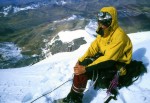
(103, 16)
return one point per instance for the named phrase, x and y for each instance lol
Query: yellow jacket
(114, 45)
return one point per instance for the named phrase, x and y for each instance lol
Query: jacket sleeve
(92, 50)
(112, 52)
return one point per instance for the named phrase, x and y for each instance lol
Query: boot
(73, 98)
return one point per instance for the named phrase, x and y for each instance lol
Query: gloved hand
(122, 71)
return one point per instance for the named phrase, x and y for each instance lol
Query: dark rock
(59, 46)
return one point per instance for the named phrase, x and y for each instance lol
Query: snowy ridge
(91, 27)
(6, 10)
(22, 85)
(10, 51)
(14, 9)
(18, 9)
(68, 36)
(73, 17)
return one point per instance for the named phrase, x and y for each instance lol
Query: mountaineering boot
(73, 98)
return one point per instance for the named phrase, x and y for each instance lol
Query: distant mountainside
(32, 24)
(18, 2)
(116, 2)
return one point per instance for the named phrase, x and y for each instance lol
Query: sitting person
(109, 52)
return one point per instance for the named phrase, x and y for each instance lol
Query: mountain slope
(22, 85)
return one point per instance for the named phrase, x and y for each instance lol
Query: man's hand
(79, 69)
(123, 71)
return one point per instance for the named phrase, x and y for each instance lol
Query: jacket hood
(113, 12)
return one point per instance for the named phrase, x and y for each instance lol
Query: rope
(50, 91)
(95, 79)
(91, 84)
(62, 85)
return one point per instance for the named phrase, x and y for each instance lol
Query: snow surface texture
(23, 85)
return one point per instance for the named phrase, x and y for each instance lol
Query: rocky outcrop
(59, 46)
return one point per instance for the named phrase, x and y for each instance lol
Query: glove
(122, 71)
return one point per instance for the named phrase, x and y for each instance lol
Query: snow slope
(23, 85)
